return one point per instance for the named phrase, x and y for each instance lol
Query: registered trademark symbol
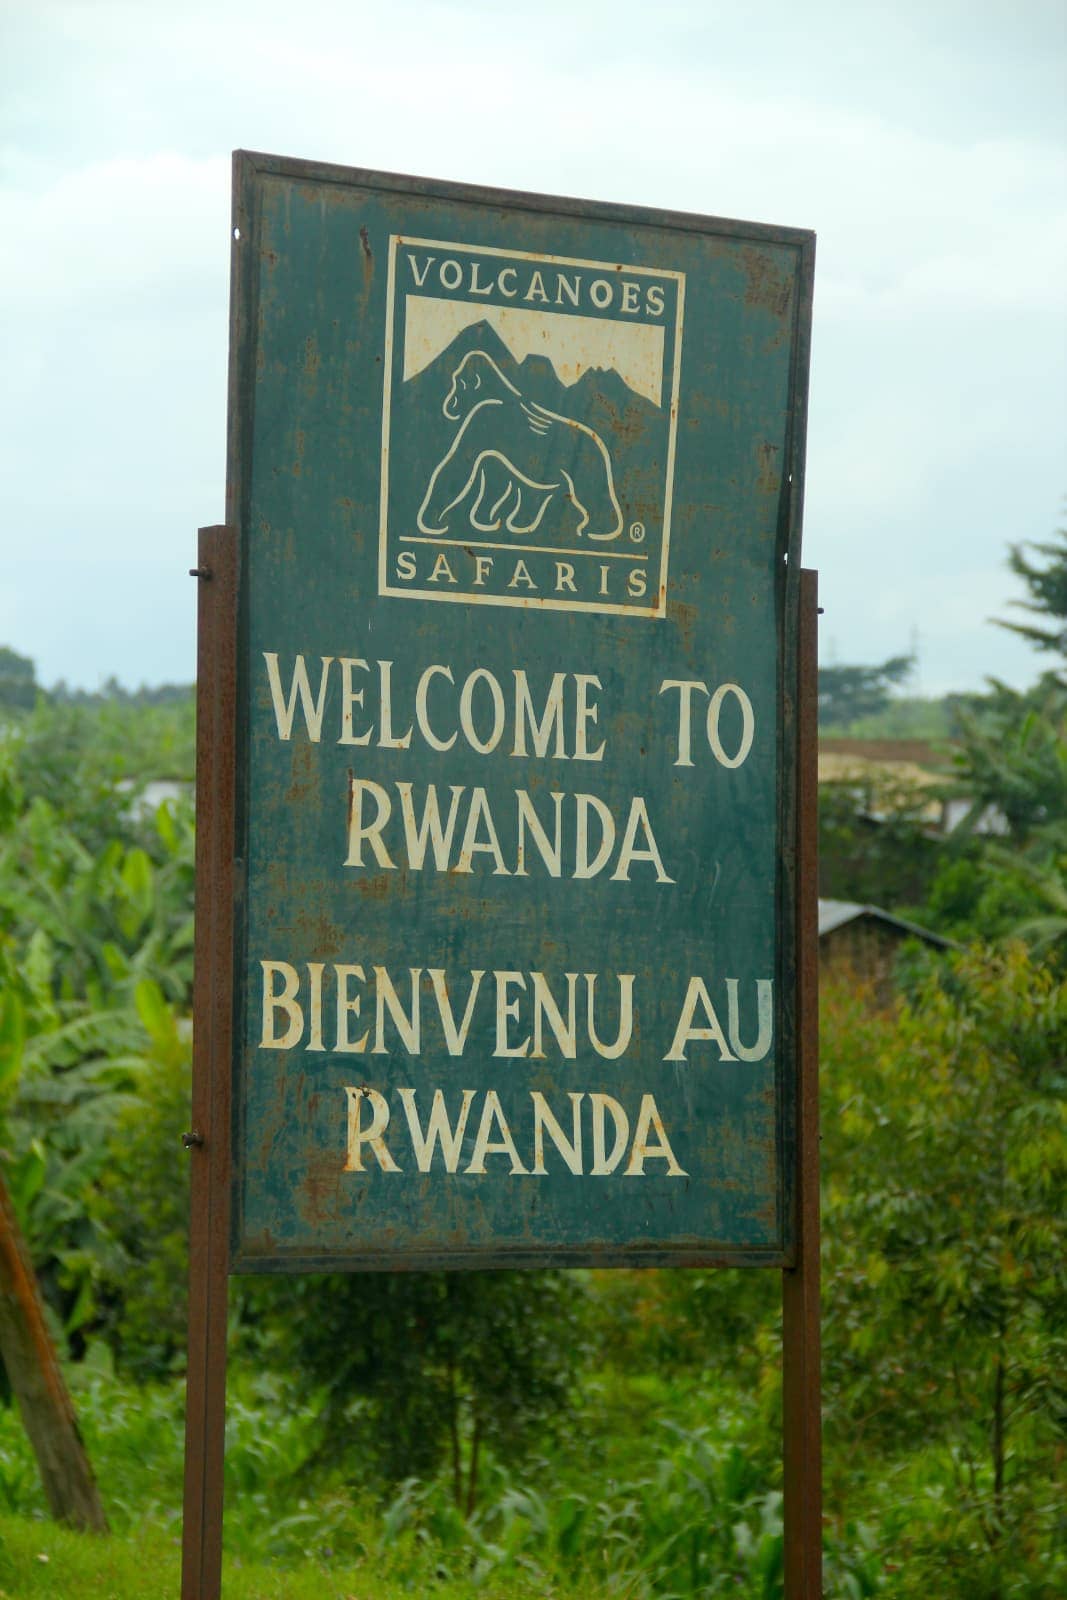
(637, 532)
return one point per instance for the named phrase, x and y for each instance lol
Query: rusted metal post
(38, 1386)
(208, 1141)
(801, 1378)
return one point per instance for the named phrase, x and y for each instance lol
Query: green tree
(944, 1240)
(1047, 583)
(1011, 759)
(423, 1369)
(847, 693)
(95, 919)
(138, 1204)
(18, 680)
(1011, 764)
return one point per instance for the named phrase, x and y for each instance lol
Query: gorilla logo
(511, 458)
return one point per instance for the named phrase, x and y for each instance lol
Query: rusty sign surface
(517, 483)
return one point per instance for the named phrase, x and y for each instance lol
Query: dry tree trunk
(37, 1382)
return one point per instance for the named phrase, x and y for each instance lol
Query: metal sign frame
(217, 999)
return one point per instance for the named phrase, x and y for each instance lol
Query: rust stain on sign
(368, 259)
(768, 475)
(768, 284)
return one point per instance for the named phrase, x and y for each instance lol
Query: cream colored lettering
(406, 1023)
(437, 1144)
(551, 717)
(386, 737)
(441, 569)
(430, 830)
(550, 850)
(603, 1105)
(349, 1005)
(474, 286)
(586, 865)
(544, 722)
(283, 1000)
(748, 725)
(439, 1131)
(485, 1145)
(545, 1009)
(484, 747)
(536, 285)
(521, 575)
(579, 840)
(472, 845)
(455, 1038)
(642, 1150)
(629, 851)
(371, 1134)
(285, 708)
(535, 1014)
(422, 717)
(764, 1020)
(351, 697)
(315, 971)
(507, 1010)
(360, 832)
(545, 1122)
(697, 995)
(536, 288)
(586, 711)
(413, 264)
(611, 1052)
(686, 690)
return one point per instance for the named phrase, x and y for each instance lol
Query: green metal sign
(517, 482)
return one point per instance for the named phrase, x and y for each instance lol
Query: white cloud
(926, 151)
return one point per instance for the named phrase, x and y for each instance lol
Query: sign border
(250, 170)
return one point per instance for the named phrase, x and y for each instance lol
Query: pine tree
(1047, 584)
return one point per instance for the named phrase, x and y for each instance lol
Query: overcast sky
(923, 140)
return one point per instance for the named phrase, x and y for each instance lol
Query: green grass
(668, 1491)
(40, 1561)
(625, 1517)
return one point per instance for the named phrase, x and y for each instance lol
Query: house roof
(835, 914)
(930, 755)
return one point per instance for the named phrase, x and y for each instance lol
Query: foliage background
(604, 1433)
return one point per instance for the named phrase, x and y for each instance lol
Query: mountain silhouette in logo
(627, 431)
(536, 379)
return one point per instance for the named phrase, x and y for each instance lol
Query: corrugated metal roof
(836, 913)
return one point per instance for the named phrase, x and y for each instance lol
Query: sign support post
(801, 1385)
(209, 1139)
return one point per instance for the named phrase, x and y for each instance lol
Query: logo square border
(528, 602)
